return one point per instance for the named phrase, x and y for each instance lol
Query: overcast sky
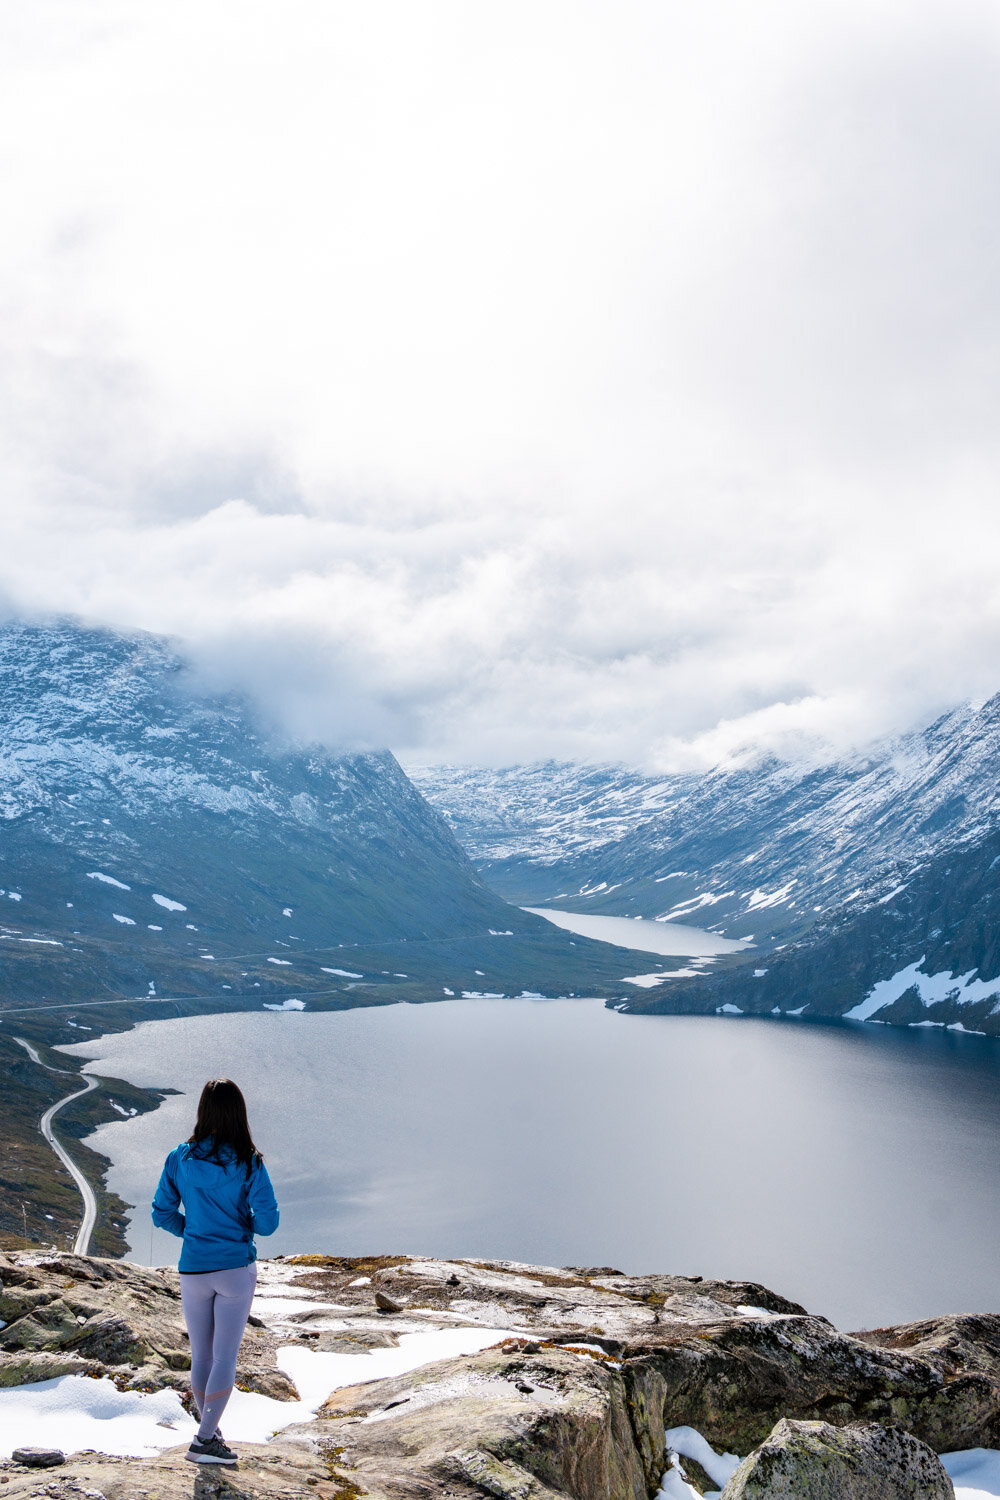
(505, 380)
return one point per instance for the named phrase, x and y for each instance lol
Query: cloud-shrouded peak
(498, 383)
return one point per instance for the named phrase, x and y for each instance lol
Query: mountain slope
(763, 850)
(152, 840)
(929, 954)
(871, 888)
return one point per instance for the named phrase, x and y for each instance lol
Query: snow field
(965, 989)
(76, 1412)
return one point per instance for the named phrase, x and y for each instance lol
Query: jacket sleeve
(262, 1202)
(166, 1202)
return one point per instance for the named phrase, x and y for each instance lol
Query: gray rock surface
(84, 1315)
(39, 1458)
(815, 1461)
(588, 1369)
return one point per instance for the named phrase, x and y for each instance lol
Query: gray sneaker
(210, 1450)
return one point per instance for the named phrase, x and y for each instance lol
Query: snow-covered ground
(671, 938)
(77, 1412)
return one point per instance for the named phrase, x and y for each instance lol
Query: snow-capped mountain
(152, 839)
(763, 850)
(926, 953)
(880, 869)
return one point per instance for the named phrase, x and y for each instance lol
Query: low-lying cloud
(559, 380)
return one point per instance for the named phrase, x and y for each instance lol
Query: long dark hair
(222, 1121)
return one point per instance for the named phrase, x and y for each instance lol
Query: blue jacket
(223, 1207)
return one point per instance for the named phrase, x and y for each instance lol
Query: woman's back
(225, 1204)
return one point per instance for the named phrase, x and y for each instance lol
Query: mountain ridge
(842, 875)
(154, 840)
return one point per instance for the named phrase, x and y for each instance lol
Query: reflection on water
(854, 1168)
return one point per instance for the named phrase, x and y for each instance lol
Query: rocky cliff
(590, 1374)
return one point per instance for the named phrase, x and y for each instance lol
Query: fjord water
(669, 938)
(854, 1168)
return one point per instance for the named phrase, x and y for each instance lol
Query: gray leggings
(216, 1306)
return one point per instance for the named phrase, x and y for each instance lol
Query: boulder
(39, 1458)
(506, 1422)
(863, 1461)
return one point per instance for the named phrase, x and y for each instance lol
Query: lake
(852, 1167)
(669, 938)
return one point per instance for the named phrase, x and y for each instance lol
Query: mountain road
(87, 1223)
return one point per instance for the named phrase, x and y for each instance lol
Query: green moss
(348, 1489)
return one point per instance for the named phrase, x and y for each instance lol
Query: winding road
(87, 1223)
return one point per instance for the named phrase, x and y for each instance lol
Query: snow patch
(689, 1443)
(647, 981)
(728, 1010)
(688, 908)
(344, 973)
(963, 989)
(127, 921)
(758, 899)
(287, 1005)
(108, 880)
(94, 1414)
(975, 1473)
(169, 905)
(285, 962)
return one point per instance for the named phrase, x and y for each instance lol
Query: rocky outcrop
(734, 1379)
(571, 1400)
(814, 1461)
(82, 1315)
(520, 1419)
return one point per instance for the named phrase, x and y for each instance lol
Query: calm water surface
(854, 1168)
(638, 932)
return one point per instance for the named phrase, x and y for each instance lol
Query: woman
(220, 1177)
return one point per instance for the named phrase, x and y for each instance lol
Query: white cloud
(501, 382)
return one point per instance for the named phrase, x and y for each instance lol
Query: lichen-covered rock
(863, 1461)
(76, 1314)
(265, 1382)
(735, 1379)
(529, 1426)
(27, 1367)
